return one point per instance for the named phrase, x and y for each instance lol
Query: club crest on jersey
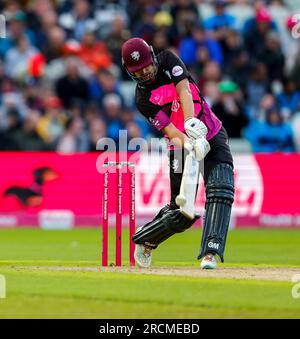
(175, 165)
(135, 55)
(177, 70)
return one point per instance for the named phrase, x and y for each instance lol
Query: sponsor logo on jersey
(175, 105)
(154, 122)
(177, 70)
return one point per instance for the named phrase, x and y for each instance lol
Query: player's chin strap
(219, 199)
(163, 226)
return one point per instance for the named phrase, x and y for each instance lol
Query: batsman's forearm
(175, 135)
(186, 98)
(187, 104)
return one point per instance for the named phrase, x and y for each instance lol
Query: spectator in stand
(18, 58)
(104, 83)
(211, 72)
(210, 92)
(91, 112)
(262, 13)
(16, 28)
(220, 22)
(163, 22)
(257, 86)
(33, 94)
(7, 84)
(255, 33)
(76, 108)
(55, 40)
(40, 10)
(229, 109)
(134, 10)
(189, 46)
(11, 99)
(27, 138)
(202, 60)
(78, 20)
(49, 20)
(185, 16)
(50, 127)
(271, 135)
(267, 102)
(114, 41)
(8, 136)
(94, 53)
(145, 27)
(183, 9)
(112, 109)
(241, 10)
(71, 141)
(236, 58)
(97, 130)
(273, 57)
(107, 11)
(128, 116)
(133, 130)
(289, 99)
(41, 17)
(8, 8)
(160, 41)
(72, 85)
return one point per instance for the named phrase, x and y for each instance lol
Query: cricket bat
(188, 188)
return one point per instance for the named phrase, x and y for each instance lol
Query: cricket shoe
(209, 262)
(143, 255)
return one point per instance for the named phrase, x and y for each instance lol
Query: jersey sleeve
(157, 117)
(171, 63)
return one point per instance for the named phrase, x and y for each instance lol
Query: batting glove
(201, 148)
(195, 128)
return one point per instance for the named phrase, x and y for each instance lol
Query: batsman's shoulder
(165, 53)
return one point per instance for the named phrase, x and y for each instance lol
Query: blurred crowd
(62, 86)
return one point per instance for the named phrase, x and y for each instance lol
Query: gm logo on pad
(213, 245)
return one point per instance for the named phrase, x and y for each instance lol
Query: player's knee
(179, 223)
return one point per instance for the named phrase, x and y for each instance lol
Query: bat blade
(188, 188)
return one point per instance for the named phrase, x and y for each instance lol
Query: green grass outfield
(55, 274)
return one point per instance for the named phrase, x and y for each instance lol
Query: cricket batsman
(168, 97)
